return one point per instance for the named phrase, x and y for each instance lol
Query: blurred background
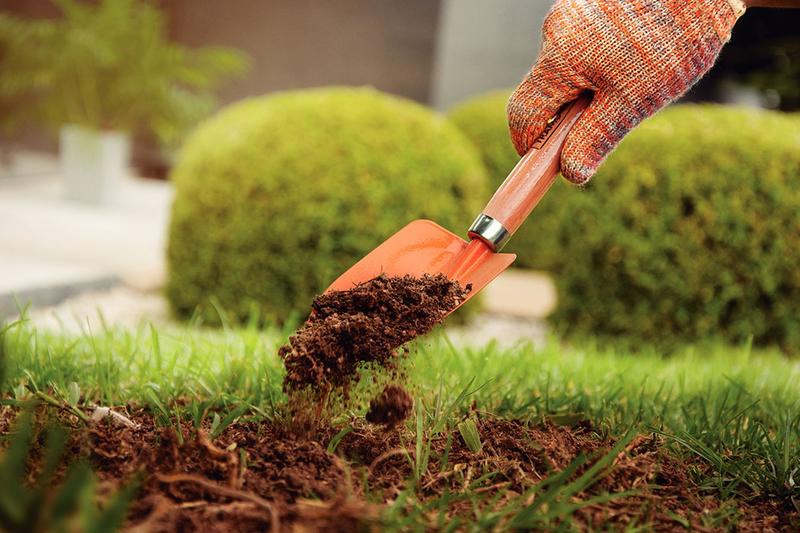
(97, 100)
(437, 52)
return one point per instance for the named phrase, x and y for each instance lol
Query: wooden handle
(536, 171)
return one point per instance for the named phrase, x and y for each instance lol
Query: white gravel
(120, 306)
(506, 330)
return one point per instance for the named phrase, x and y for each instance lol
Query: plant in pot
(101, 73)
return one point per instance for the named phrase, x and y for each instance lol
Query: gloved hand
(636, 55)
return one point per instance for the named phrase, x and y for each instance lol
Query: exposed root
(227, 492)
(229, 458)
(292, 482)
(387, 455)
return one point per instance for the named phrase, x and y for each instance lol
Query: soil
(366, 324)
(257, 476)
(275, 476)
(391, 407)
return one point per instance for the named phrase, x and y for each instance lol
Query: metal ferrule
(489, 231)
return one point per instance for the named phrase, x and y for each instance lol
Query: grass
(736, 408)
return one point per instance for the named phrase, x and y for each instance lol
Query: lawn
(560, 436)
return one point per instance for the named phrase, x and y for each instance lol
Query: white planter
(742, 95)
(93, 163)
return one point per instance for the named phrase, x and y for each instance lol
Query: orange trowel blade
(424, 247)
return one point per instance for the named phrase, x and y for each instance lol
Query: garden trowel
(424, 247)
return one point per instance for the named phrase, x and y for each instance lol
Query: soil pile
(391, 407)
(249, 479)
(258, 476)
(365, 324)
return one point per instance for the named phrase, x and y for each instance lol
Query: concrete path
(51, 248)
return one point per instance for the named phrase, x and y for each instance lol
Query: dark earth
(257, 476)
(263, 475)
(391, 407)
(366, 324)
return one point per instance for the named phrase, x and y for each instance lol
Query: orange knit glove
(637, 55)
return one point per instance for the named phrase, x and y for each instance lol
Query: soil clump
(391, 407)
(366, 324)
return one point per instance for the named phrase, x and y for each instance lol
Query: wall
(303, 43)
(484, 45)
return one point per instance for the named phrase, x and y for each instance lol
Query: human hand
(636, 55)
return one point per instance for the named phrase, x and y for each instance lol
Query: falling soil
(391, 407)
(257, 476)
(366, 324)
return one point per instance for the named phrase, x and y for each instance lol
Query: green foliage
(45, 504)
(108, 65)
(690, 230)
(472, 437)
(276, 196)
(3, 331)
(483, 120)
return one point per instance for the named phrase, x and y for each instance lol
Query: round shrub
(690, 230)
(276, 196)
(483, 120)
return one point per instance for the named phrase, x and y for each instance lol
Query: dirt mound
(520, 455)
(391, 407)
(249, 479)
(367, 323)
(258, 476)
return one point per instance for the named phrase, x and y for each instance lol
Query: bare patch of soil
(367, 323)
(7, 417)
(259, 476)
(248, 479)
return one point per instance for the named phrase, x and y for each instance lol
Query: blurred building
(484, 45)
(434, 51)
(437, 52)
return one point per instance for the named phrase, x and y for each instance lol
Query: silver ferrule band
(489, 231)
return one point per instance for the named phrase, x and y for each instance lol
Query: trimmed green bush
(277, 195)
(483, 120)
(691, 229)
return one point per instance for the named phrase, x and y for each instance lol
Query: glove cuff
(738, 7)
(724, 14)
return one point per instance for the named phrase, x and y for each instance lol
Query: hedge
(690, 230)
(277, 195)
